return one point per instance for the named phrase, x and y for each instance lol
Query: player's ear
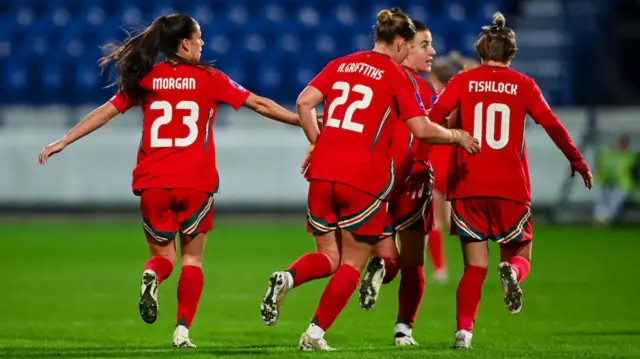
(186, 46)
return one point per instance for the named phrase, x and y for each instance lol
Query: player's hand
(415, 188)
(582, 168)
(421, 184)
(304, 167)
(466, 141)
(50, 150)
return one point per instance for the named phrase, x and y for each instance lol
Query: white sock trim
(315, 332)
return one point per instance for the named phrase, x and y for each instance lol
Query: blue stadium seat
(53, 81)
(15, 81)
(270, 45)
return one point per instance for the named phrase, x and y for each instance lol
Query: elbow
(303, 105)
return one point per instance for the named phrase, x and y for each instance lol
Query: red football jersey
(177, 149)
(405, 147)
(365, 95)
(493, 104)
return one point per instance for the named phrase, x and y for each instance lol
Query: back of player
(352, 160)
(175, 174)
(490, 193)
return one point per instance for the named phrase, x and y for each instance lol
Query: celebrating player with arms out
(351, 171)
(491, 192)
(175, 175)
(410, 207)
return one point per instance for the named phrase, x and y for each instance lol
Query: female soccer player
(351, 171)
(175, 175)
(442, 71)
(491, 192)
(410, 207)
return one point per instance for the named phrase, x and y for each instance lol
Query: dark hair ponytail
(134, 58)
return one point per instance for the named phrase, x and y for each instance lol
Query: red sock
(436, 249)
(410, 294)
(521, 265)
(189, 292)
(336, 296)
(161, 265)
(468, 296)
(390, 270)
(314, 265)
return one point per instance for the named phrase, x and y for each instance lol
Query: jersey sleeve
(536, 105)
(447, 101)
(121, 102)
(407, 96)
(322, 80)
(228, 91)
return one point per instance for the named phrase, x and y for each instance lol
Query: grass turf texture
(70, 290)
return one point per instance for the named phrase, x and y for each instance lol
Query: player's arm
(307, 101)
(230, 92)
(542, 114)
(453, 121)
(447, 104)
(96, 119)
(269, 108)
(412, 110)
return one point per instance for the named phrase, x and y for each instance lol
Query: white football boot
(181, 338)
(313, 340)
(279, 284)
(148, 304)
(510, 288)
(371, 283)
(402, 336)
(463, 339)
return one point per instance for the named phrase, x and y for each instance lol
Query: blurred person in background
(441, 72)
(616, 170)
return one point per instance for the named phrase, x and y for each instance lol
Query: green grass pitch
(70, 290)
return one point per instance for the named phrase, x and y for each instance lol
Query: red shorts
(335, 205)
(410, 214)
(439, 159)
(167, 211)
(500, 220)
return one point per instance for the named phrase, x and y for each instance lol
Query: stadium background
(583, 54)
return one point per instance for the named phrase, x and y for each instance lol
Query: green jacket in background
(616, 169)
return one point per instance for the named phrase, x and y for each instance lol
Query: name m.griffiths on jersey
(179, 83)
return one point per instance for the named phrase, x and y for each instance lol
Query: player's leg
(442, 215)
(511, 225)
(190, 286)
(515, 263)
(355, 252)
(160, 226)
(476, 261)
(322, 222)
(195, 214)
(381, 269)
(412, 284)
(405, 213)
(362, 219)
(469, 221)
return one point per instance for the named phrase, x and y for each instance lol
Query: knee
(191, 260)
(333, 256)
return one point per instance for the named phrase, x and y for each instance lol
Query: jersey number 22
(346, 122)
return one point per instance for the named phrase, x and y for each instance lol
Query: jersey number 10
(347, 123)
(489, 136)
(189, 120)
